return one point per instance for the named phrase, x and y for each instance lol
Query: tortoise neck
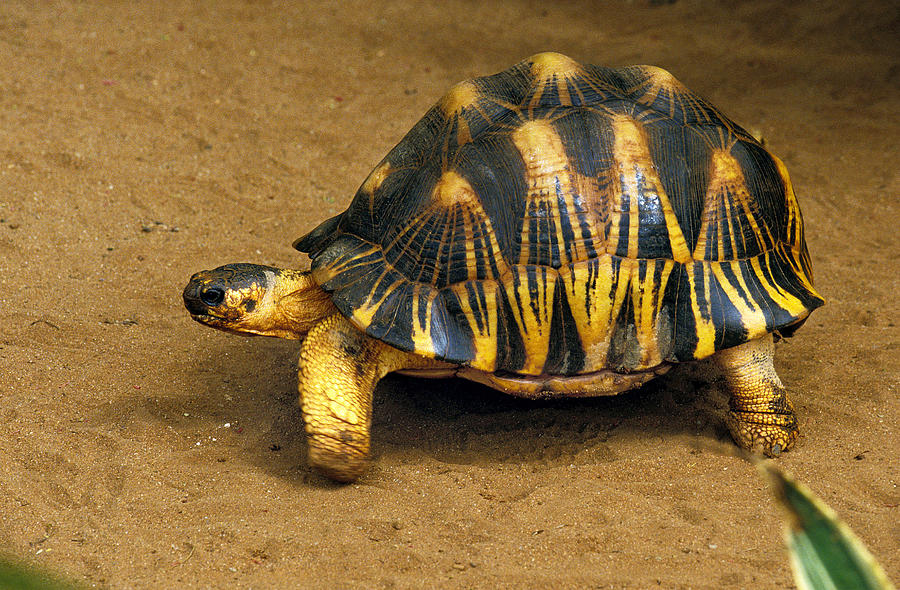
(300, 303)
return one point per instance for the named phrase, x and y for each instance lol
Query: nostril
(212, 296)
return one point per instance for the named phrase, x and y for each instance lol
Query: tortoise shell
(560, 219)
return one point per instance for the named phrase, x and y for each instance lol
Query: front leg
(339, 368)
(761, 417)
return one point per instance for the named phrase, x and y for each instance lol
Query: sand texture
(141, 142)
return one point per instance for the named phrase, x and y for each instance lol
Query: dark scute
(653, 233)
(440, 319)
(377, 218)
(587, 91)
(420, 142)
(427, 242)
(653, 239)
(510, 346)
(392, 315)
(493, 167)
(786, 277)
(412, 236)
(541, 232)
(765, 186)
(628, 203)
(666, 327)
(476, 299)
(509, 86)
(566, 355)
(572, 87)
(421, 317)
(385, 287)
(487, 115)
(320, 237)
(677, 302)
(456, 330)
(451, 265)
(566, 219)
(732, 281)
(607, 81)
(684, 107)
(549, 96)
(664, 320)
(775, 270)
(398, 329)
(587, 138)
(774, 314)
(682, 157)
(725, 316)
(363, 269)
(623, 346)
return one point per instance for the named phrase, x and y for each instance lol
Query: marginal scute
(595, 290)
(364, 314)
(701, 310)
(790, 304)
(423, 297)
(794, 227)
(530, 291)
(478, 301)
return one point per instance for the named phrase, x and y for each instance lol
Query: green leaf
(825, 554)
(14, 576)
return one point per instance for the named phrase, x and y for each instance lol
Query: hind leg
(761, 417)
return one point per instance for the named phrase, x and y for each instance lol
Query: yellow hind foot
(761, 418)
(766, 433)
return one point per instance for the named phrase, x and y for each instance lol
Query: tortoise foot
(337, 460)
(761, 417)
(763, 432)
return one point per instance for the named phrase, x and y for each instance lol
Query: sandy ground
(140, 450)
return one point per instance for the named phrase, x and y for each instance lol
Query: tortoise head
(257, 300)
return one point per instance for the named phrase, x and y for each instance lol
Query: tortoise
(556, 229)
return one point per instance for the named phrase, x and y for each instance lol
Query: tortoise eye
(212, 296)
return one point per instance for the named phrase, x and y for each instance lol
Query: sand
(141, 143)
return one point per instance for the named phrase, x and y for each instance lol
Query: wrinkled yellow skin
(761, 417)
(339, 368)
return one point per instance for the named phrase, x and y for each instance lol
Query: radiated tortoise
(556, 229)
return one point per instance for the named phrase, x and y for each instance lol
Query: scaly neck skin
(298, 304)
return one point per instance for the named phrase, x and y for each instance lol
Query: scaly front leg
(761, 418)
(339, 368)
